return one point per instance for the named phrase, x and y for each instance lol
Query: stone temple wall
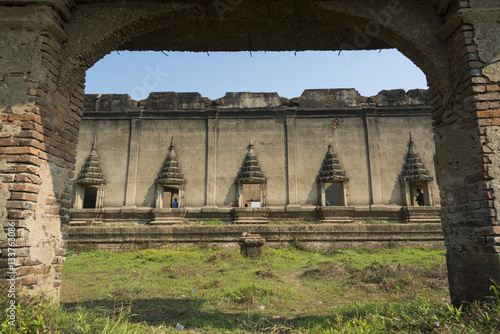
(290, 138)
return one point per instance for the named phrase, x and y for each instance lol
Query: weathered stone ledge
(314, 236)
(329, 214)
(310, 99)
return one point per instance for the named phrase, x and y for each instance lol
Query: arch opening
(432, 37)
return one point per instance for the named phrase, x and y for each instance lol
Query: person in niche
(175, 204)
(420, 197)
(327, 203)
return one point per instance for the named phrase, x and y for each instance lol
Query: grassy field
(285, 291)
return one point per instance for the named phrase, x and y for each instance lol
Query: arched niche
(332, 182)
(89, 186)
(170, 184)
(415, 178)
(251, 182)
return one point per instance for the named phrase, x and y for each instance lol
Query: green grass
(287, 282)
(294, 222)
(213, 222)
(210, 290)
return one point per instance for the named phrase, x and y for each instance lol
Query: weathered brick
(19, 205)
(488, 230)
(26, 187)
(490, 249)
(30, 280)
(9, 142)
(49, 50)
(484, 185)
(488, 113)
(17, 262)
(23, 177)
(27, 159)
(30, 134)
(31, 262)
(484, 213)
(21, 150)
(58, 259)
(32, 143)
(22, 168)
(492, 240)
(32, 126)
(53, 45)
(50, 201)
(22, 196)
(77, 102)
(32, 270)
(19, 214)
(25, 118)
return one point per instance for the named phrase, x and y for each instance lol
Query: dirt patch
(181, 271)
(329, 272)
(218, 256)
(266, 273)
(390, 276)
(212, 285)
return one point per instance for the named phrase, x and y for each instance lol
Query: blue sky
(139, 73)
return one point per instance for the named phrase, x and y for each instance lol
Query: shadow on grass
(169, 312)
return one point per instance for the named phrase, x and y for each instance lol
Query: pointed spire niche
(89, 186)
(332, 182)
(251, 181)
(414, 168)
(415, 178)
(170, 183)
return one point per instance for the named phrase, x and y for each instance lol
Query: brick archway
(47, 47)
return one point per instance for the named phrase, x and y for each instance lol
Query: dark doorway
(334, 193)
(169, 195)
(90, 197)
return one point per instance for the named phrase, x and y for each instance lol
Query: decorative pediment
(170, 172)
(414, 168)
(91, 172)
(331, 170)
(250, 171)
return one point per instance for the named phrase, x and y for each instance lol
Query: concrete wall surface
(369, 135)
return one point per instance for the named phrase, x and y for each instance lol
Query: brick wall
(38, 136)
(465, 168)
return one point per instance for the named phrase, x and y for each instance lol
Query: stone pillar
(372, 133)
(159, 195)
(467, 135)
(100, 196)
(38, 137)
(263, 201)
(322, 193)
(132, 162)
(240, 194)
(212, 129)
(291, 162)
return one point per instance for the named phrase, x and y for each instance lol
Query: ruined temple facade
(330, 155)
(48, 45)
